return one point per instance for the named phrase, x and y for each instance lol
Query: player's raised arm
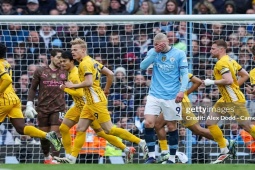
(109, 79)
(196, 82)
(149, 59)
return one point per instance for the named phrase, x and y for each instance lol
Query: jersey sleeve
(222, 67)
(190, 76)
(252, 77)
(183, 63)
(86, 67)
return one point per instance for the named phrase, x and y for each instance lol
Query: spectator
(205, 44)
(233, 133)
(230, 7)
(116, 8)
(7, 8)
(171, 7)
(204, 7)
(140, 89)
(242, 6)
(120, 109)
(127, 36)
(72, 31)
(234, 43)
(243, 34)
(32, 8)
(173, 40)
(182, 32)
(159, 6)
(115, 50)
(35, 46)
(97, 40)
(62, 7)
(146, 8)
(47, 34)
(218, 32)
(74, 7)
(16, 69)
(120, 79)
(90, 8)
(245, 60)
(22, 88)
(30, 71)
(143, 42)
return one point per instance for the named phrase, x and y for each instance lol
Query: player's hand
(249, 89)
(179, 97)
(62, 87)
(106, 92)
(69, 84)
(208, 82)
(160, 47)
(30, 111)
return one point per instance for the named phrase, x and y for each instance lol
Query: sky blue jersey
(168, 69)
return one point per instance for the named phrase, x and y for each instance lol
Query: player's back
(231, 92)
(94, 93)
(73, 76)
(9, 97)
(166, 74)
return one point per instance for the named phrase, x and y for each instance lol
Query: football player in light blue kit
(166, 92)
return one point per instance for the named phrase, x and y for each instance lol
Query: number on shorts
(96, 115)
(178, 109)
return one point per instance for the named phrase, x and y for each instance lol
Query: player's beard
(56, 66)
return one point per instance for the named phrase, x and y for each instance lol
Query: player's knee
(149, 124)
(63, 128)
(171, 127)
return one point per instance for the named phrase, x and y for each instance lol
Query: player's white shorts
(171, 110)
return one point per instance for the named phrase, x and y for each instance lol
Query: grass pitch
(126, 167)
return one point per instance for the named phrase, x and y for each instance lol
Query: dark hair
(55, 51)
(67, 55)
(176, 7)
(221, 43)
(2, 50)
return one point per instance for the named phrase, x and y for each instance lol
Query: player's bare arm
(87, 83)
(226, 80)
(243, 76)
(196, 82)
(109, 74)
(6, 81)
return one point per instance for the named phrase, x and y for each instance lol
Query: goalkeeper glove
(209, 82)
(30, 111)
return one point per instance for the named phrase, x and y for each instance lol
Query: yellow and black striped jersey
(93, 94)
(230, 93)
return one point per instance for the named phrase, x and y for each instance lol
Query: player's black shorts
(51, 119)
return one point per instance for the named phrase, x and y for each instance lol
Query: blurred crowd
(121, 47)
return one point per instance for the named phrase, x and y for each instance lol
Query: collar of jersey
(171, 47)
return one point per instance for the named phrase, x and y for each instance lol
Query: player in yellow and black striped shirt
(96, 102)
(73, 114)
(232, 102)
(10, 105)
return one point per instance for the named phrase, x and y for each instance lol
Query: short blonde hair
(160, 37)
(79, 41)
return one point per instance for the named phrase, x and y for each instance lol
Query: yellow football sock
(78, 143)
(217, 135)
(163, 145)
(34, 132)
(66, 138)
(124, 134)
(112, 140)
(252, 132)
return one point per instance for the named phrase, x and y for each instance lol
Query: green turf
(127, 167)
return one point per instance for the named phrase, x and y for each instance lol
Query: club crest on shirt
(172, 59)
(53, 75)
(63, 76)
(163, 58)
